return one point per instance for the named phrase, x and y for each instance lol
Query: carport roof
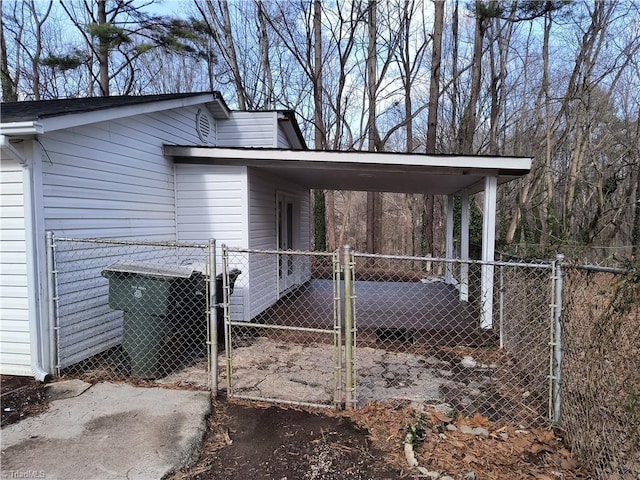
(364, 171)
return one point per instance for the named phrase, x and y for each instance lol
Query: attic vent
(203, 126)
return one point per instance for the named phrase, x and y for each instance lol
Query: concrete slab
(111, 431)
(66, 389)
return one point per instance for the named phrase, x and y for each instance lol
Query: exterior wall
(14, 302)
(211, 203)
(283, 141)
(263, 269)
(248, 129)
(111, 179)
(107, 180)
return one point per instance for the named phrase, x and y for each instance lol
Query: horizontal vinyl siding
(15, 358)
(263, 235)
(211, 203)
(283, 141)
(248, 129)
(107, 180)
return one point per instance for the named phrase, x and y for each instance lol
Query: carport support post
(488, 251)
(348, 328)
(464, 247)
(448, 248)
(213, 319)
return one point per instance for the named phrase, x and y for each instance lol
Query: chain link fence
(420, 340)
(600, 391)
(329, 329)
(131, 309)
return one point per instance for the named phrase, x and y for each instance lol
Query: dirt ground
(260, 441)
(265, 442)
(20, 397)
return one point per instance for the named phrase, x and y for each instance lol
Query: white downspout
(41, 371)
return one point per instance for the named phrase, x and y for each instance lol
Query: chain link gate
(282, 326)
(416, 319)
(131, 309)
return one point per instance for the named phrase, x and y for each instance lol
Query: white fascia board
(77, 119)
(473, 163)
(21, 128)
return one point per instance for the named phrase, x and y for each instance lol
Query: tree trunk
(468, 122)
(374, 214)
(9, 93)
(264, 58)
(103, 51)
(432, 122)
(635, 232)
(434, 84)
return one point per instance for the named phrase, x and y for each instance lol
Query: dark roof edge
(290, 116)
(33, 110)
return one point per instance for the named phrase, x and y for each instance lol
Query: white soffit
(364, 171)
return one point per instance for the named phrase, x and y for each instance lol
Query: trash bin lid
(151, 269)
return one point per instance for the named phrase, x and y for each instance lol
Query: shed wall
(211, 203)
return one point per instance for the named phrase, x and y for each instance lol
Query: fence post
(558, 280)
(213, 319)
(501, 302)
(348, 327)
(52, 300)
(227, 327)
(337, 328)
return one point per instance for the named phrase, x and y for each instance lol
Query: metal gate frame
(335, 331)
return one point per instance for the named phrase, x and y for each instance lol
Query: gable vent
(203, 126)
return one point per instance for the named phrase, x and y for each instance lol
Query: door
(286, 241)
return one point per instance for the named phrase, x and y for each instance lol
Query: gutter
(5, 144)
(21, 128)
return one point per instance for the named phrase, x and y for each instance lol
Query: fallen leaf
(565, 453)
(437, 416)
(544, 476)
(478, 421)
(545, 436)
(470, 459)
(536, 448)
(568, 464)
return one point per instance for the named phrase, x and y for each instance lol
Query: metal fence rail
(131, 309)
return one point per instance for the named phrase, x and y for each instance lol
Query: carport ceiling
(364, 171)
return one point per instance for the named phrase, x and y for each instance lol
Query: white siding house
(14, 292)
(179, 167)
(95, 168)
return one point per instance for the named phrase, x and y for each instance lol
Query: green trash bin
(148, 295)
